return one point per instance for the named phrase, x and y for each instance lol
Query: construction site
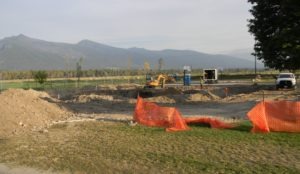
(30, 110)
(158, 87)
(51, 114)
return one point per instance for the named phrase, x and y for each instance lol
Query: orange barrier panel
(280, 116)
(150, 114)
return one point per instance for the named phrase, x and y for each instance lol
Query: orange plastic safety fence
(150, 114)
(281, 116)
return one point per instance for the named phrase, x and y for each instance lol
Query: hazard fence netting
(266, 116)
(150, 114)
(277, 116)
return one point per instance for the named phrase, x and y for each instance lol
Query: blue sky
(210, 26)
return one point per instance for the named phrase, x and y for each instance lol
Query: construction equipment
(210, 75)
(159, 81)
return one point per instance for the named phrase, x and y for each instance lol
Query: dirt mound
(213, 96)
(93, 97)
(184, 98)
(26, 110)
(202, 96)
(198, 97)
(161, 99)
(242, 98)
(178, 96)
(262, 95)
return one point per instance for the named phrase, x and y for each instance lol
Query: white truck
(286, 80)
(210, 75)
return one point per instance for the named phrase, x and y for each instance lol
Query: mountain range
(24, 53)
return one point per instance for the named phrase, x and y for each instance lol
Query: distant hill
(25, 53)
(245, 53)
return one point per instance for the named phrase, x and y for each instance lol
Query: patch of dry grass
(106, 147)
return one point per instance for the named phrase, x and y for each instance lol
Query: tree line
(15, 75)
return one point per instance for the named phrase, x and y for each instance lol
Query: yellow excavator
(159, 81)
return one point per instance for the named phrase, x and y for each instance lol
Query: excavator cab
(148, 78)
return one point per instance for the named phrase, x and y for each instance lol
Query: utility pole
(255, 64)
(255, 58)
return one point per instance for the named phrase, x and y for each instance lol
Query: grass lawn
(68, 84)
(107, 147)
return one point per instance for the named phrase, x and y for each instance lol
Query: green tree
(276, 28)
(40, 76)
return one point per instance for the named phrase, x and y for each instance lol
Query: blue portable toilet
(187, 76)
(187, 79)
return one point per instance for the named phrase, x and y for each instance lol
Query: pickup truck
(286, 80)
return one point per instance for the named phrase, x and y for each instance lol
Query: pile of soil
(202, 96)
(27, 110)
(262, 95)
(198, 97)
(161, 99)
(93, 97)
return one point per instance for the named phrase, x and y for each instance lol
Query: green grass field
(65, 84)
(107, 147)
